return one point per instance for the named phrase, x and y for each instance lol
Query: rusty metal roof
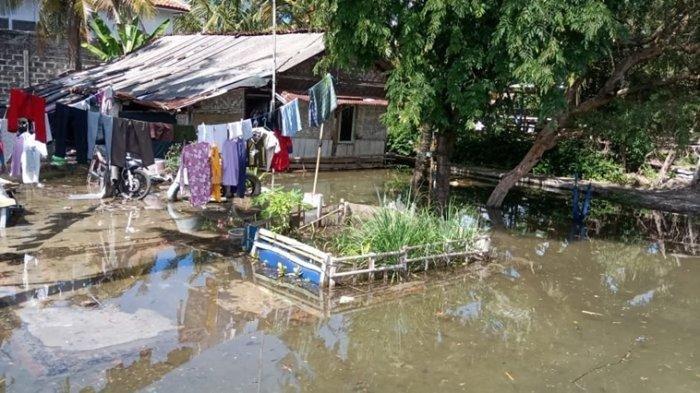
(177, 71)
(175, 5)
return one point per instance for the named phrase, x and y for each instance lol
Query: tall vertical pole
(274, 56)
(274, 68)
(318, 159)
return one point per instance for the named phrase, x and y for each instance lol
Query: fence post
(371, 269)
(404, 262)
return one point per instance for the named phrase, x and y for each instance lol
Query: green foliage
(574, 156)
(390, 229)
(277, 206)
(172, 158)
(128, 38)
(219, 16)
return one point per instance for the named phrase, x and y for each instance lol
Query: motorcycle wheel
(139, 186)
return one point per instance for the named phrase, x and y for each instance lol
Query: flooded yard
(140, 297)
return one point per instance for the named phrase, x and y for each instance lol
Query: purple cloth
(234, 162)
(16, 168)
(195, 160)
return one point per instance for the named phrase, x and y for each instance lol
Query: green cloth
(322, 101)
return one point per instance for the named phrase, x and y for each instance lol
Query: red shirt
(280, 161)
(23, 104)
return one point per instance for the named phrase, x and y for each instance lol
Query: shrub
(277, 206)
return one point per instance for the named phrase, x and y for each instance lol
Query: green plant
(172, 158)
(129, 37)
(391, 228)
(277, 206)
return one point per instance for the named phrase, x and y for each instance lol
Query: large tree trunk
(74, 35)
(546, 139)
(420, 182)
(441, 157)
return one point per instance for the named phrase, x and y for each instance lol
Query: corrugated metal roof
(176, 5)
(177, 71)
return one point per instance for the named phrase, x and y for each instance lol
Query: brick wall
(225, 108)
(44, 63)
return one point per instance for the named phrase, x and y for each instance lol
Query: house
(194, 79)
(26, 15)
(26, 61)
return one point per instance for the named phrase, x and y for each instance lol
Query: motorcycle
(131, 182)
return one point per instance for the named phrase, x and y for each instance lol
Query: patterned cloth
(195, 160)
(216, 173)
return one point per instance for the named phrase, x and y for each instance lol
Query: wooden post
(371, 270)
(318, 159)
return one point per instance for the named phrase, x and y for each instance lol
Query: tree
(453, 60)
(129, 37)
(67, 20)
(220, 16)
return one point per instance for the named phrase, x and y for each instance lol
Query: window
(347, 124)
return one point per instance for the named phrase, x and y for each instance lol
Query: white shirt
(32, 153)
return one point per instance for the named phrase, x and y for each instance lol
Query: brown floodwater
(611, 307)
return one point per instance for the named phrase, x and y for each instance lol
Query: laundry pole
(318, 158)
(274, 68)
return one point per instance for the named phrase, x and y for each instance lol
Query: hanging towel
(290, 118)
(23, 104)
(195, 160)
(247, 129)
(216, 173)
(235, 130)
(70, 126)
(131, 136)
(322, 101)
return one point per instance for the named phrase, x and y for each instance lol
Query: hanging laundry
(256, 150)
(108, 105)
(195, 161)
(290, 119)
(131, 136)
(280, 161)
(216, 173)
(235, 160)
(162, 132)
(322, 101)
(23, 104)
(70, 126)
(99, 132)
(7, 139)
(235, 130)
(47, 124)
(2, 158)
(32, 151)
(16, 167)
(215, 134)
(247, 129)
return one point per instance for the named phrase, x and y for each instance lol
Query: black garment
(131, 136)
(160, 148)
(69, 128)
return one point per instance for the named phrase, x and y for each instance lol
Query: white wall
(29, 11)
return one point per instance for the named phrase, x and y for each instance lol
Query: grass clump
(391, 229)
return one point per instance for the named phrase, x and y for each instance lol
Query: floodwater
(613, 307)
